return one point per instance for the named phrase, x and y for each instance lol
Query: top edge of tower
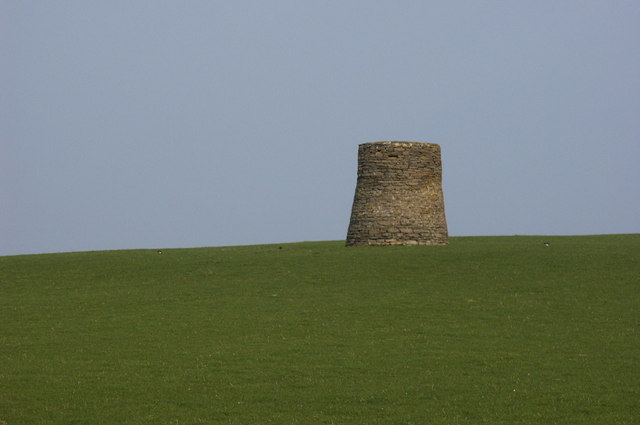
(400, 143)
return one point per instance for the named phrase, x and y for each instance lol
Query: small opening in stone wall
(393, 156)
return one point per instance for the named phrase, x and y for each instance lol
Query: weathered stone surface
(398, 199)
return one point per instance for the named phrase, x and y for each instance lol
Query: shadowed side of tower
(398, 199)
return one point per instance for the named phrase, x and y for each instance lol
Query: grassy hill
(487, 330)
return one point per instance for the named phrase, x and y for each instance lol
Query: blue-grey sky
(143, 124)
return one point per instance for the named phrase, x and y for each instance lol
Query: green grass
(487, 330)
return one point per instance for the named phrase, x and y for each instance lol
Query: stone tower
(398, 198)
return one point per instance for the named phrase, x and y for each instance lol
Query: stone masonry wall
(398, 199)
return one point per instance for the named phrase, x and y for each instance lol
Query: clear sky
(144, 124)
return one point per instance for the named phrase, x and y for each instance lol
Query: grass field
(487, 330)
